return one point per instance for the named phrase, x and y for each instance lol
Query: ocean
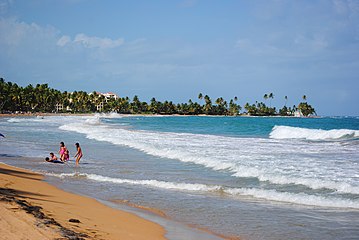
(249, 177)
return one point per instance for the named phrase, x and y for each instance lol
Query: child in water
(78, 154)
(64, 153)
(67, 155)
(52, 159)
(52, 156)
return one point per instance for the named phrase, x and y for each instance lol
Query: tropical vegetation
(43, 99)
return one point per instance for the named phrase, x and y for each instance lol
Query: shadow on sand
(18, 197)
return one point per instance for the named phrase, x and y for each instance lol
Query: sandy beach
(33, 209)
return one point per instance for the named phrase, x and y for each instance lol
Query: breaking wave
(268, 160)
(286, 132)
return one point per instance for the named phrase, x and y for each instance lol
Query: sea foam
(286, 132)
(268, 160)
(271, 195)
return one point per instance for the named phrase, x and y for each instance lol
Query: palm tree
(265, 97)
(234, 108)
(286, 99)
(208, 105)
(136, 104)
(200, 96)
(304, 97)
(306, 109)
(153, 108)
(271, 96)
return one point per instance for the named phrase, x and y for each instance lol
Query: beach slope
(33, 209)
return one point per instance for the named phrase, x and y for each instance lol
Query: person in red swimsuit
(64, 152)
(78, 155)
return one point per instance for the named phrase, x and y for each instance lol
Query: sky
(176, 49)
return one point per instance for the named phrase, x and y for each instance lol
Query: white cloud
(63, 41)
(96, 42)
(14, 33)
(90, 42)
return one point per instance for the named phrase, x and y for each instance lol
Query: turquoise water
(256, 178)
(233, 126)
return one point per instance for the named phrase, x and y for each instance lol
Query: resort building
(99, 107)
(108, 95)
(59, 107)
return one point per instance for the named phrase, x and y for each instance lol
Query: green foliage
(41, 98)
(29, 99)
(306, 109)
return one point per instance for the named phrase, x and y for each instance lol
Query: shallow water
(256, 178)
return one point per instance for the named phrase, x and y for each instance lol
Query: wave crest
(286, 132)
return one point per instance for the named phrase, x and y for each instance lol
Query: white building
(108, 96)
(99, 107)
(59, 107)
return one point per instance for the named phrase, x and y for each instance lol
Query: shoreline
(168, 228)
(4, 115)
(60, 213)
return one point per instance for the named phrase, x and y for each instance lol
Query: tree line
(41, 98)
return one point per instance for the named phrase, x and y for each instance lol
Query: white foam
(108, 115)
(47, 119)
(295, 198)
(286, 132)
(21, 120)
(150, 183)
(93, 121)
(269, 160)
(313, 183)
(271, 195)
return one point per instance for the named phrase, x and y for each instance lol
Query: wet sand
(33, 209)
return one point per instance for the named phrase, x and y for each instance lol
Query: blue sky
(174, 49)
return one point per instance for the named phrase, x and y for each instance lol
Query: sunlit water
(256, 178)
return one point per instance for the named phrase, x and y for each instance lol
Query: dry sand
(33, 209)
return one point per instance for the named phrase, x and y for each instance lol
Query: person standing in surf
(78, 155)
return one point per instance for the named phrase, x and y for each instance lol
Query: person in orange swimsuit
(52, 156)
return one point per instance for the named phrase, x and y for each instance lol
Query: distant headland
(43, 99)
